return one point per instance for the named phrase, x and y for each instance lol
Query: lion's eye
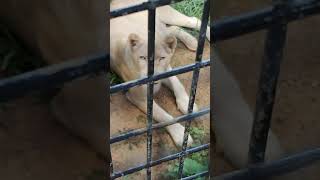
(143, 57)
(162, 58)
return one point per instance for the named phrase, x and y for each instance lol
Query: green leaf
(192, 167)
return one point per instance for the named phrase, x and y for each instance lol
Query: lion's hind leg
(186, 38)
(170, 16)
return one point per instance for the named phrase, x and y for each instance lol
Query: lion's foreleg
(138, 97)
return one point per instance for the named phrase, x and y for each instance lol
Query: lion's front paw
(208, 34)
(191, 43)
(177, 133)
(183, 104)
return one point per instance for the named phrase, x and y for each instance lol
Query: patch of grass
(197, 134)
(194, 163)
(201, 157)
(192, 8)
(115, 79)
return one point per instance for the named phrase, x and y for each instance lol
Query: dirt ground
(296, 112)
(34, 146)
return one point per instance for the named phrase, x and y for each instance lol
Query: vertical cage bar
(151, 49)
(111, 163)
(274, 45)
(211, 150)
(195, 77)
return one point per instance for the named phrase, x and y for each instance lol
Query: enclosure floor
(35, 147)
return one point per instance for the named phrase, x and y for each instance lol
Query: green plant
(115, 79)
(201, 157)
(192, 165)
(197, 134)
(190, 7)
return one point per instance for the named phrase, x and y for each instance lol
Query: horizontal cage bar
(275, 168)
(156, 77)
(140, 7)
(202, 174)
(137, 132)
(232, 27)
(52, 76)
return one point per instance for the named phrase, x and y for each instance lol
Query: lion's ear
(171, 43)
(134, 40)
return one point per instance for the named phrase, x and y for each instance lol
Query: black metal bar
(232, 27)
(275, 168)
(212, 69)
(137, 132)
(140, 7)
(52, 76)
(150, 86)
(156, 77)
(274, 45)
(202, 174)
(111, 163)
(159, 161)
(194, 83)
